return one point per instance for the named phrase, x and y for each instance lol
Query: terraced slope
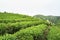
(12, 18)
(23, 27)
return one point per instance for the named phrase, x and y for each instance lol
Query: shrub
(14, 27)
(31, 32)
(54, 33)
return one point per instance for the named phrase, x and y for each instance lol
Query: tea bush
(26, 34)
(54, 33)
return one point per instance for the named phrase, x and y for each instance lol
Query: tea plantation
(23, 27)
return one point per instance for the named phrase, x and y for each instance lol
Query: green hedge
(31, 33)
(10, 17)
(54, 33)
(7, 37)
(14, 27)
(17, 20)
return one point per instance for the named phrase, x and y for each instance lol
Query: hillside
(23, 27)
(53, 19)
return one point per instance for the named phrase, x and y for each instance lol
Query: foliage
(54, 33)
(26, 34)
(23, 27)
(14, 27)
(53, 19)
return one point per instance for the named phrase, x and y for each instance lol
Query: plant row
(16, 20)
(31, 33)
(14, 27)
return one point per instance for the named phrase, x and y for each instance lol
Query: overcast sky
(31, 7)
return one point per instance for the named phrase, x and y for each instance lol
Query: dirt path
(45, 33)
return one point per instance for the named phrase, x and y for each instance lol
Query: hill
(53, 19)
(23, 27)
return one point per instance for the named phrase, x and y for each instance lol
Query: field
(23, 27)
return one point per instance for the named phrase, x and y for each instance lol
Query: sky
(31, 7)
